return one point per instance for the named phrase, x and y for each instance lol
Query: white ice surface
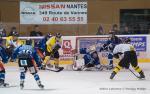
(75, 82)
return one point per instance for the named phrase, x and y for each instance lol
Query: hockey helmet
(49, 35)
(28, 42)
(127, 40)
(58, 35)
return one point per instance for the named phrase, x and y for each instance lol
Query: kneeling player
(91, 59)
(26, 56)
(127, 55)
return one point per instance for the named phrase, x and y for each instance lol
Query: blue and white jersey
(26, 51)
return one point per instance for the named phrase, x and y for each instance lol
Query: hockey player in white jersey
(126, 53)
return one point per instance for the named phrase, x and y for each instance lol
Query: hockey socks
(115, 71)
(46, 60)
(2, 75)
(139, 70)
(22, 78)
(110, 66)
(2, 80)
(37, 78)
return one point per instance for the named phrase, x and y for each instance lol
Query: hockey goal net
(87, 42)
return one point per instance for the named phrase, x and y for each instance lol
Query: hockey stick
(55, 70)
(134, 74)
(60, 69)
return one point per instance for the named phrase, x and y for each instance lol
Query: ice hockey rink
(79, 82)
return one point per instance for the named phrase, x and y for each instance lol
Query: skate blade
(10, 86)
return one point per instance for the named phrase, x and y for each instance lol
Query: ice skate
(3, 85)
(112, 75)
(142, 76)
(21, 84)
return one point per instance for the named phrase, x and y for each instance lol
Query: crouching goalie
(127, 55)
(26, 55)
(90, 60)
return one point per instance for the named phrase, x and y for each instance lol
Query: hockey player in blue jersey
(109, 46)
(26, 56)
(41, 46)
(3, 59)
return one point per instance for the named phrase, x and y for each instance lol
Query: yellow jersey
(10, 41)
(52, 42)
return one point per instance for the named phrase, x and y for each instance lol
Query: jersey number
(23, 62)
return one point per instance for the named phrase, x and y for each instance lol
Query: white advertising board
(53, 12)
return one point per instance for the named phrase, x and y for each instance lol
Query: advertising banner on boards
(53, 12)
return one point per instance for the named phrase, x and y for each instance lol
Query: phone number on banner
(70, 19)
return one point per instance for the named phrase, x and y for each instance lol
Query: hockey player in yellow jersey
(12, 42)
(52, 47)
(126, 53)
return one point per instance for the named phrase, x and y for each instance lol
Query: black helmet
(127, 40)
(48, 35)
(28, 42)
(58, 35)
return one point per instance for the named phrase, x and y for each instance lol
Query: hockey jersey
(26, 51)
(11, 42)
(52, 42)
(121, 48)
